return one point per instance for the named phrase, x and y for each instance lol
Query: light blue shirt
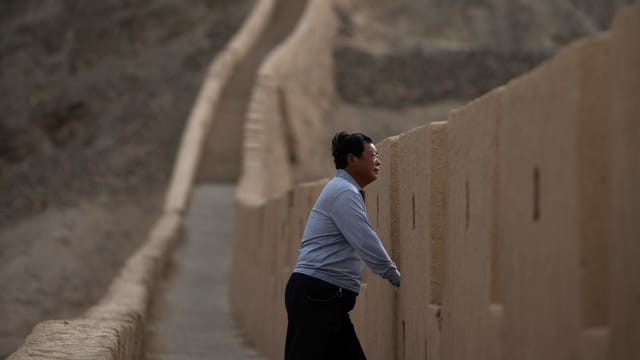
(339, 239)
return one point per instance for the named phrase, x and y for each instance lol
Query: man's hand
(393, 275)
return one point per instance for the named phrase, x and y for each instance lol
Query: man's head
(356, 154)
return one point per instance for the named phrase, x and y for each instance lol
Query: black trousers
(319, 327)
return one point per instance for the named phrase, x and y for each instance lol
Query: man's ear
(351, 158)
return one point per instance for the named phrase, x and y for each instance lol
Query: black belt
(338, 291)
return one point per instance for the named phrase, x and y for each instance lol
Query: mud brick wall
(514, 222)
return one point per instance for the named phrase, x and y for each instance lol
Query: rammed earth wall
(514, 223)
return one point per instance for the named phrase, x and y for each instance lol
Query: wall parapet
(203, 111)
(291, 100)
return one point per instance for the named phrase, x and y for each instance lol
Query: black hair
(344, 144)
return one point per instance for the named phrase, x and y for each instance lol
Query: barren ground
(94, 96)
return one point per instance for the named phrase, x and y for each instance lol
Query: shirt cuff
(393, 275)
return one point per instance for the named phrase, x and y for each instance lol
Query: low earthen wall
(114, 328)
(514, 223)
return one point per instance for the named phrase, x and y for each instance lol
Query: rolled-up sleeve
(349, 214)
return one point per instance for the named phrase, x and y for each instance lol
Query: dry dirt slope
(417, 52)
(94, 95)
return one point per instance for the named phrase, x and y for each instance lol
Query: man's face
(364, 169)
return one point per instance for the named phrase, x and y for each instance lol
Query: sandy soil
(59, 262)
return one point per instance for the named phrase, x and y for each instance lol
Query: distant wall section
(291, 101)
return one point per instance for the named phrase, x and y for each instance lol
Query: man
(337, 241)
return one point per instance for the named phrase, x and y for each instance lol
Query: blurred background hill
(407, 52)
(94, 96)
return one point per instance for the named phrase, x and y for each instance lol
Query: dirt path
(191, 315)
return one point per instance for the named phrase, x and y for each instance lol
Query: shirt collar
(345, 175)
